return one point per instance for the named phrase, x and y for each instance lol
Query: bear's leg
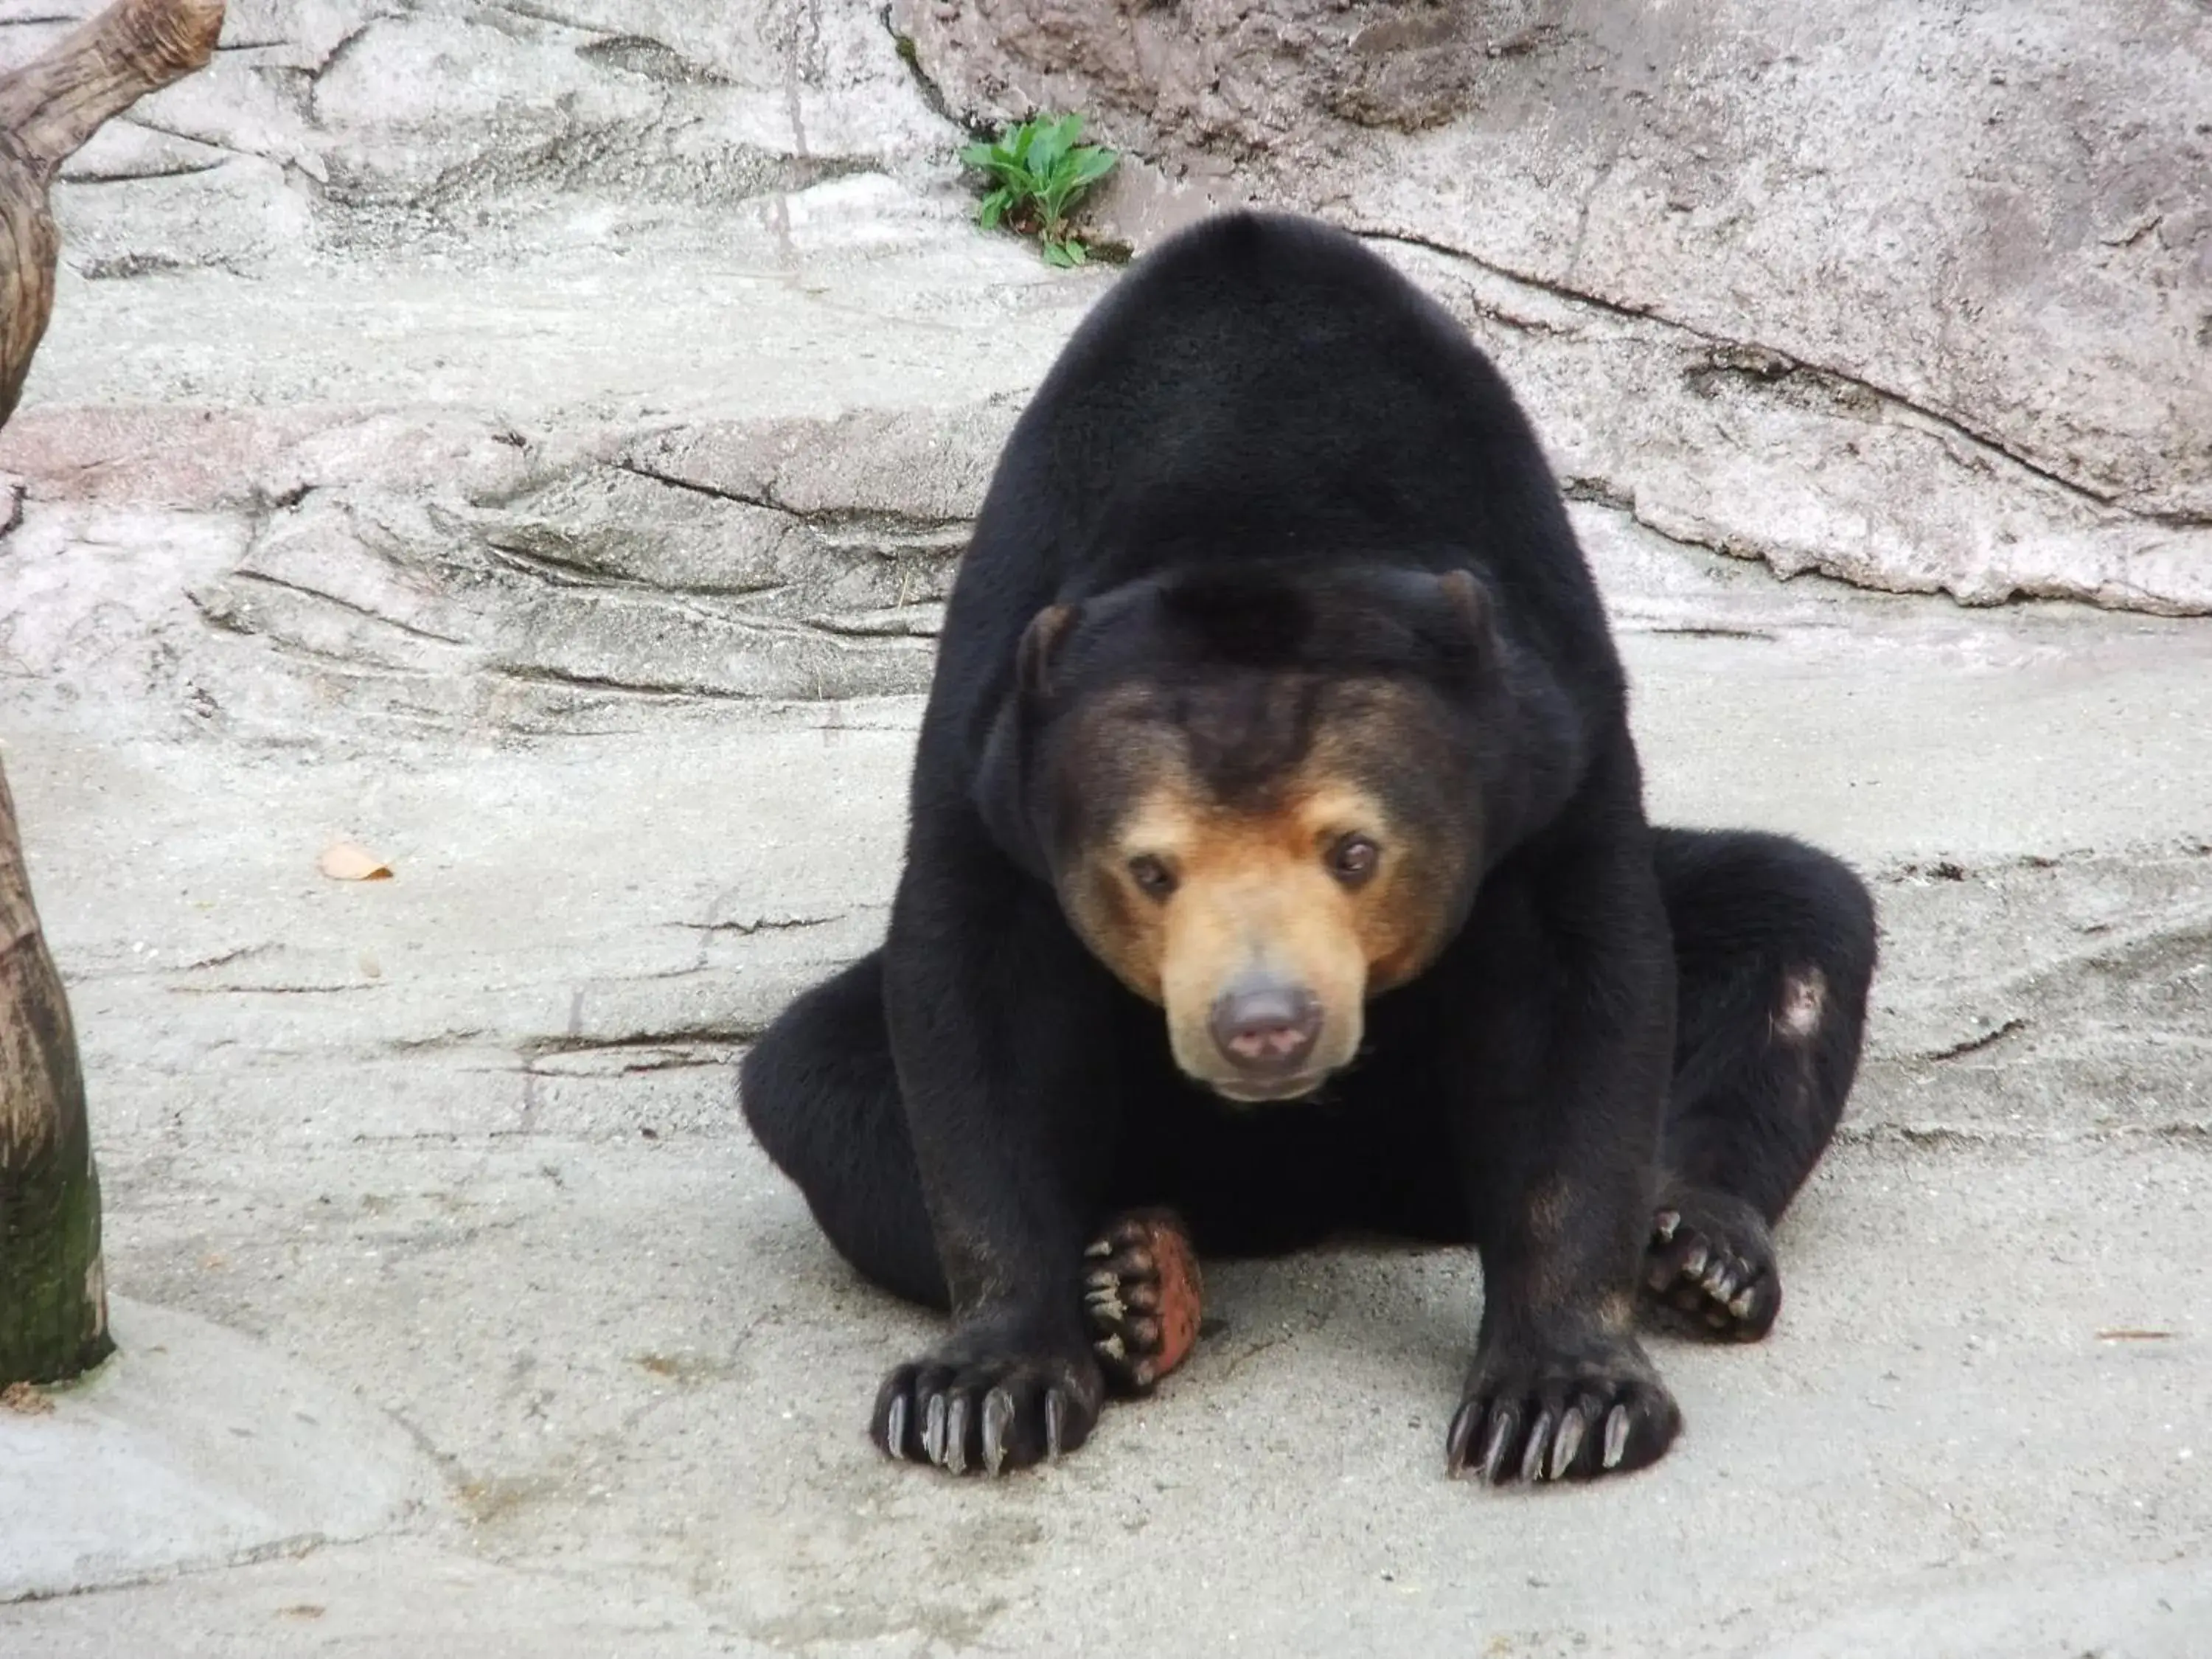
(1774, 947)
(1550, 1061)
(822, 1097)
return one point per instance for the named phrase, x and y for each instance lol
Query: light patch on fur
(1549, 1285)
(972, 1268)
(1548, 1209)
(1803, 1003)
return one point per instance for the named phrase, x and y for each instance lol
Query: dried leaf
(346, 862)
(23, 1398)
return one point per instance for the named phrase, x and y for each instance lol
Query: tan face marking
(1267, 891)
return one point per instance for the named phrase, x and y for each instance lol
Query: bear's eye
(1352, 859)
(1151, 875)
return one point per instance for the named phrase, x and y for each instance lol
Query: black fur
(1258, 455)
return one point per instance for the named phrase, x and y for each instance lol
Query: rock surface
(529, 441)
(1918, 297)
(194, 1449)
(465, 1142)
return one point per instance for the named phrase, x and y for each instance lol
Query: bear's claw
(1709, 1266)
(1560, 1422)
(1141, 1301)
(990, 1414)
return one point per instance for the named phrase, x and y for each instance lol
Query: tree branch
(57, 101)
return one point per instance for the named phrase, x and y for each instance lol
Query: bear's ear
(1002, 788)
(1471, 628)
(1466, 596)
(1040, 640)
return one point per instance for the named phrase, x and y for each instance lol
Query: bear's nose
(1265, 1027)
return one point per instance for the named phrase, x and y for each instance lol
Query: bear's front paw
(1561, 1418)
(988, 1412)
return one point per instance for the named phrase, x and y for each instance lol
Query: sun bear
(1276, 866)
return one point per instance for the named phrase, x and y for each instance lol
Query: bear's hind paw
(1709, 1269)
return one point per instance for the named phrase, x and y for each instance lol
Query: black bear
(1276, 866)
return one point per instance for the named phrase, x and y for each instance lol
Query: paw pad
(1142, 1295)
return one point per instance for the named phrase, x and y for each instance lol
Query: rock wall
(1918, 295)
(262, 573)
(368, 126)
(482, 367)
(519, 366)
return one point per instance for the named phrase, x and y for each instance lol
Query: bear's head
(1260, 793)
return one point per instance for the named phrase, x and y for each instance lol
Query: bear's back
(1275, 372)
(1265, 386)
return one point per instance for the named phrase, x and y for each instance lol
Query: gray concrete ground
(589, 580)
(464, 1144)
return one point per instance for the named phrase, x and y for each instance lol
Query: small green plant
(1039, 173)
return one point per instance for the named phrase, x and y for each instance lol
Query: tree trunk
(53, 1289)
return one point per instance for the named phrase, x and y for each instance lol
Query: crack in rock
(265, 579)
(763, 925)
(655, 60)
(273, 990)
(933, 534)
(535, 1049)
(132, 176)
(1975, 1044)
(1765, 363)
